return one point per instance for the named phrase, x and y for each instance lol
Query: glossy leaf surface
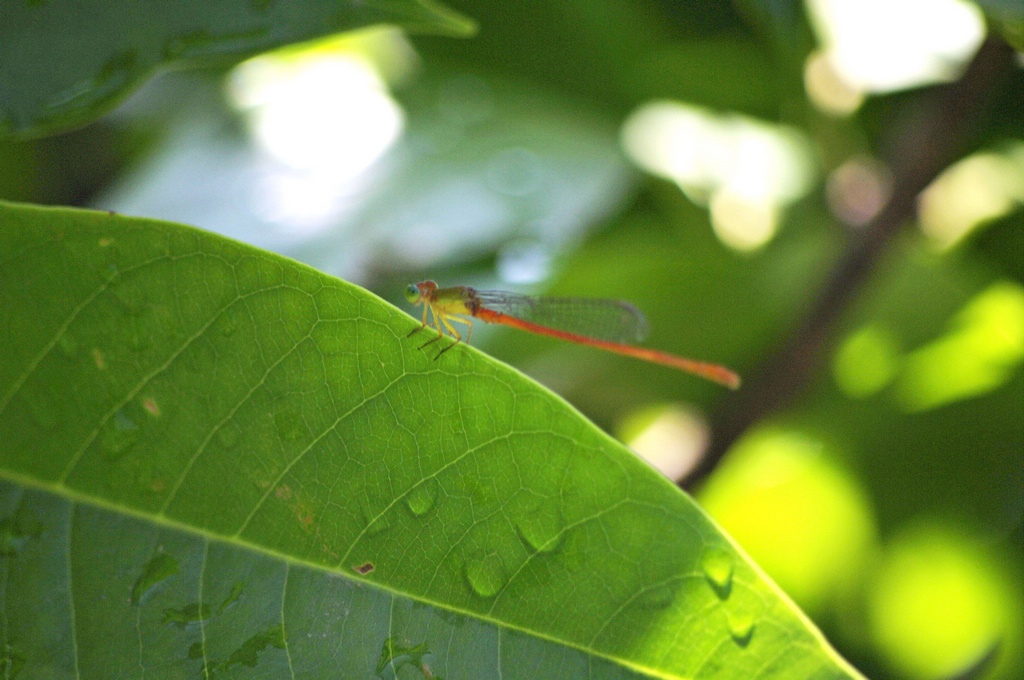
(217, 460)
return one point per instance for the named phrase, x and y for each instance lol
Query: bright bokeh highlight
(671, 437)
(323, 110)
(878, 46)
(866, 362)
(857, 190)
(827, 89)
(323, 116)
(746, 171)
(939, 603)
(981, 351)
(977, 189)
(798, 513)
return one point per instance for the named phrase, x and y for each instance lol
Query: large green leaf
(65, 63)
(216, 458)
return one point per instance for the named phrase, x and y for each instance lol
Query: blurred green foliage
(510, 160)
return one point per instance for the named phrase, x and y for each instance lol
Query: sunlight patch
(746, 171)
(876, 46)
(981, 351)
(975, 190)
(323, 116)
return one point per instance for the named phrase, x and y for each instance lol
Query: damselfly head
(423, 291)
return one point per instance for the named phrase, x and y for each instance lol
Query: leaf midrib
(78, 497)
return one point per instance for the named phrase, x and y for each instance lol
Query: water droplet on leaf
(159, 568)
(236, 592)
(717, 565)
(659, 597)
(119, 436)
(485, 573)
(248, 652)
(421, 497)
(542, 528)
(741, 627)
(378, 526)
(395, 654)
(376, 522)
(190, 613)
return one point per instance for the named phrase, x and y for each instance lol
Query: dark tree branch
(922, 145)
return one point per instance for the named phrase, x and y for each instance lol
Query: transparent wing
(612, 320)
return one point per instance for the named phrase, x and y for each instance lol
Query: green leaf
(217, 460)
(1008, 17)
(67, 63)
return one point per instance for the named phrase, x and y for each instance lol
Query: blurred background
(714, 163)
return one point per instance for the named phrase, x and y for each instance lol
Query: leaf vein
(149, 377)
